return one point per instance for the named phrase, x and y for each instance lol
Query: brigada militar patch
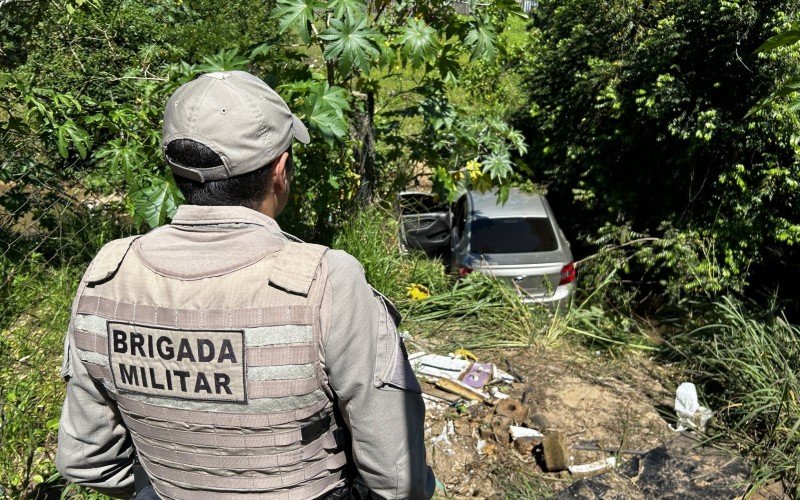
(198, 364)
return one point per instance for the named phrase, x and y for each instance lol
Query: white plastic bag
(691, 415)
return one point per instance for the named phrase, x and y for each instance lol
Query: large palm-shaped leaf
(224, 60)
(298, 14)
(324, 98)
(784, 39)
(419, 42)
(482, 38)
(349, 9)
(351, 44)
(156, 203)
(325, 109)
(323, 106)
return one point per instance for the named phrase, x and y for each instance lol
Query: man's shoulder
(108, 259)
(342, 264)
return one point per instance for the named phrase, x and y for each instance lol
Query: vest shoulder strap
(296, 266)
(108, 259)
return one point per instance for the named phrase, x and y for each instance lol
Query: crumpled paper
(691, 415)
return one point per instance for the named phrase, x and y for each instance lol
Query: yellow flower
(417, 292)
(474, 169)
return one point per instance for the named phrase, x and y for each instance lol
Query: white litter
(592, 467)
(520, 432)
(497, 393)
(691, 415)
(481, 446)
(443, 439)
(437, 366)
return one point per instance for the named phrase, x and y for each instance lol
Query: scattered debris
(500, 429)
(463, 390)
(513, 409)
(432, 391)
(497, 393)
(485, 448)
(525, 445)
(593, 468)
(682, 468)
(608, 449)
(436, 366)
(691, 415)
(555, 451)
(443, 439)
(477, 375)
(524, 432)
(514, 373)
(484, 422)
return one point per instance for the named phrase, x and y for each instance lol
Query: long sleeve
(94, 448)
(377, 394)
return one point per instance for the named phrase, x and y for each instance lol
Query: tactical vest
(218, 378)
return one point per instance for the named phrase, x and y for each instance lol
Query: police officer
(226, 357)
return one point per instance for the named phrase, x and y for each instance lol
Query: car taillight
(463, 271)
(568, 274)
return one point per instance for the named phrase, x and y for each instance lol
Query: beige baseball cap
(236, 115)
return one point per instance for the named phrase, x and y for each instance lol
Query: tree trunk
(363, 135)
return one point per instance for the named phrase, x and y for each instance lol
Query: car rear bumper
(559, 299)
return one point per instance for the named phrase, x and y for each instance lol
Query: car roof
(519, 204)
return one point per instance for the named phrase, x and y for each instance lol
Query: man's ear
(280, 175)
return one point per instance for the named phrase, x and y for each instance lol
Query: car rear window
(513, 235)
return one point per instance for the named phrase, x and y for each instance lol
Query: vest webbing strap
(186, 319)
(89, 341)
(215, 439)
(252, 483)
(281, 355)
(220, 419)
(281, 388)
(98, 372)
(311, 490)
(296, 267)
(232, 462)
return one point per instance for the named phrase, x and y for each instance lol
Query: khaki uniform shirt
(385, 420)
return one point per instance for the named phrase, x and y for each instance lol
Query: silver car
(518, 241)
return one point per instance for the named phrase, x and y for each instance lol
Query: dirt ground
(593, 399)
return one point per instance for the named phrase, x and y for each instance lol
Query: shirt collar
(196, 215)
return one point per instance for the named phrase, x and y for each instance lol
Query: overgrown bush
(639, 117)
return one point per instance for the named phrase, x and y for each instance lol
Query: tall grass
(371, 236)
(36, 309)
(749, 367)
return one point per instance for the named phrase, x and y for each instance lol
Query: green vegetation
(30, 382)
(640, 122)
(749, 364)
(665, 133)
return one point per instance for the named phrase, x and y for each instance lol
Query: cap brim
(300, 131)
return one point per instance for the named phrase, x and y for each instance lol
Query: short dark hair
(246, 190)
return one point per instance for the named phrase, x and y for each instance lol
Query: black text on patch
(198, 364)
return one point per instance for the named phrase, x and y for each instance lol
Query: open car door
(424, 223)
